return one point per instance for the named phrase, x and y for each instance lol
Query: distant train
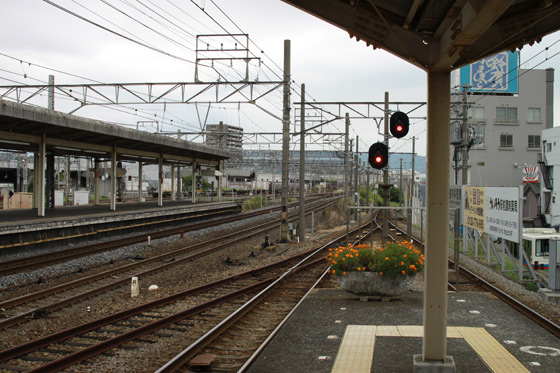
(536, 242)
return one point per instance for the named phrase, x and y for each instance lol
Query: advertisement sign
(474, 214)
(497, 73)
(493, 210)
(531, 174)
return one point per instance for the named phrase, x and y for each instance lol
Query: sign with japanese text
(493, 210)
(497, 73)
(474, 214)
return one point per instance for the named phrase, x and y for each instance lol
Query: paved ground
(310, 340)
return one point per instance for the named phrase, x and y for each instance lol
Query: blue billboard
(497, 74)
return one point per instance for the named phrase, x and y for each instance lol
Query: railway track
(201, 309)
(244, 316)
(42, 260)
(39, 304)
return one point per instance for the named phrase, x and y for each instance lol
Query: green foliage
(256, 202)
(395, 195)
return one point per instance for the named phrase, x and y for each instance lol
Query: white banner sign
(493, 210)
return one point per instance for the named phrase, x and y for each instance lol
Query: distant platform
(20, 227)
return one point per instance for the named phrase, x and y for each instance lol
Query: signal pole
(385, 187)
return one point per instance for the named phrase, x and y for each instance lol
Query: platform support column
(220, 180)
(140, 183)
(160, 181)
(40, 176)
(96, 181)
(173, 194)
(114, 179)
(179, 183)
(193, 183)
(35, 180)
(437, 237)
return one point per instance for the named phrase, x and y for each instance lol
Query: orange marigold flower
(402, 263)
(381, 273)
(386, 258)
(403, 272)
(358, 268)
(343, 273)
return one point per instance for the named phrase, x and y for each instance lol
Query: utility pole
(465, 174)
(285, 143)
(400, 184)
(346, 172)
(386, 186)
(356, 190)
(301, 224)
(411, 194)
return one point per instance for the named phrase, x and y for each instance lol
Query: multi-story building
(224, 136)
(506, 114)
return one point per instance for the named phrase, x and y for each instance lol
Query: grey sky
(332, 66)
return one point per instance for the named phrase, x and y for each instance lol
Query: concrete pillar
(36, 180)
(437, 237)
(114, 179)
(40, 175)
(193, 182)
(96, 182)
(140, 176)
(220, 180)
(173, 194)
(160, 181)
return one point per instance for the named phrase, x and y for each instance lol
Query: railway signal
(399, 124)
(378, 155)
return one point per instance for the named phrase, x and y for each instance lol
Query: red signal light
(399, 124)
(378, 155)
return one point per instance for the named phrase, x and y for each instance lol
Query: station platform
(334, 331)
(24, 226)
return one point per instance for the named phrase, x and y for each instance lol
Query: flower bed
(393, 258)
(386, 270)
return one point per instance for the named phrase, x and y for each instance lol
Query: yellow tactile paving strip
(491, 351)
(356, 350)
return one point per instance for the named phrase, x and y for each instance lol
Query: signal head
(378, 155)
(399, 124)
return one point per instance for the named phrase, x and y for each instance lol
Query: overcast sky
(37, 34)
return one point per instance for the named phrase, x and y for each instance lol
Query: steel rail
(237, 236)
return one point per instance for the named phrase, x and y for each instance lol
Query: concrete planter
(372, 283)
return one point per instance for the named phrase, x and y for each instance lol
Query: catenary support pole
(347, 173)
(385, 187)
(285, 143)
(301, 223)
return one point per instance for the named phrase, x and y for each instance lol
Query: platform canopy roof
(22, 128)
(440, 34)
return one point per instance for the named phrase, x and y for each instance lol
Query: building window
(507, 113)
(548, 147)
(534, 114)
(534, 141)
(477, 133)
(476, 112)
(506, 140)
